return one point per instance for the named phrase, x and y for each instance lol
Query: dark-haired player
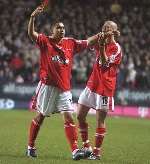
(53, 92)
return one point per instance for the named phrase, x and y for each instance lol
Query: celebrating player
(100, 88)
(53, 91)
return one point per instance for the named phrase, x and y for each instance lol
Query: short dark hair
(55, 23)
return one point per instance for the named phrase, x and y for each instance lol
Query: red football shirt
(56, 60)
(103, 78)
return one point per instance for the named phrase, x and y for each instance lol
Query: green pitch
(127, 140)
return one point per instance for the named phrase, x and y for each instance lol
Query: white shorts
(52, 100)
(96, 101)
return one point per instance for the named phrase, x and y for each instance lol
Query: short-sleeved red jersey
(56, 60)
(103, 77)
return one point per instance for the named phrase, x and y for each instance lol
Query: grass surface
(127, 140)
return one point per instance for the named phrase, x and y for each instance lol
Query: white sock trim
(74, 151)
(29, 147)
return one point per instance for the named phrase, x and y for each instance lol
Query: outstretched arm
(93, 39)
(31, 31)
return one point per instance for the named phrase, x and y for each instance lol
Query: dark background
(82, 18)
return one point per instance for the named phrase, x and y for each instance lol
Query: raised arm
(102, 46)
(31, 31)
(102, 42)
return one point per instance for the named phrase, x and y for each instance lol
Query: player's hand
(101, 38)
(108, 34)
(116, 33)
(37, 11)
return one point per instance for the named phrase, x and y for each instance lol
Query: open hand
(101, 38)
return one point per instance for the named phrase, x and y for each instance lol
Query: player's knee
(39, 119)
(81, 118)
(68, 117)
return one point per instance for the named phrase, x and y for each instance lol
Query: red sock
(84, 134)
(34, 129)
(99, 137)
(71, 134)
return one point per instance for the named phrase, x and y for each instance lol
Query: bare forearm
(93, 40)
(31, 30)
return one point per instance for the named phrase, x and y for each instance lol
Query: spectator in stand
(16, 63)
(132, 16)
(131, 75)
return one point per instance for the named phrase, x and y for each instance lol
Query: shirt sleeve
(80, 45)
(115, 54)
(41, 40)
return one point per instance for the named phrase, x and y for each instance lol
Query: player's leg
(33, 132)
(72, 136)
(85, 102)
(70, 131)
(36, 122)
(65, 106)
(103, 105)
(82, 112)
(45, 104)
(100, 133)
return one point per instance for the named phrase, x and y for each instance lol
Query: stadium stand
(19, 58)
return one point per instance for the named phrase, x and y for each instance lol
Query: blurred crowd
(19, 56)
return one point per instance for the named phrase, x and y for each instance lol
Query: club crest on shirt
(59, 59)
